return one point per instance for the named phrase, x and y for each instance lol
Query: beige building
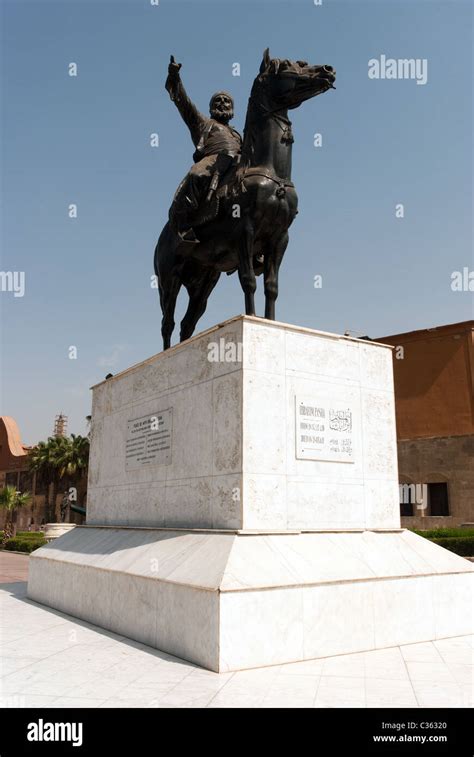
(434, 395)
(14, 472)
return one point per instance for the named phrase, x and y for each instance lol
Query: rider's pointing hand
(173, 67)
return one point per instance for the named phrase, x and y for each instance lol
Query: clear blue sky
(85, 140)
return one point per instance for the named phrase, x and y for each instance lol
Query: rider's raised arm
(193, 119)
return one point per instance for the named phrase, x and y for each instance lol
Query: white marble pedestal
(243, 507)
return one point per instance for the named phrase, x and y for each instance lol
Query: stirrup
(188, 236)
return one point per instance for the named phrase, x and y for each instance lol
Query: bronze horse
(253, 210)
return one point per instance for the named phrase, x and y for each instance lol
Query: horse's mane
(250, 125)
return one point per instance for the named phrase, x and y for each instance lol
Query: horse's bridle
(285, 125)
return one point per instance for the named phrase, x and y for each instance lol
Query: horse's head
(286, 84)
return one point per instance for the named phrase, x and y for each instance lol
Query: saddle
(222, 185)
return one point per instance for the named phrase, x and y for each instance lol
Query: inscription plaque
(324, 429)
(149, 440)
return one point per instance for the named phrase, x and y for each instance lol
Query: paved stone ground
(13, 567)
(53, 660)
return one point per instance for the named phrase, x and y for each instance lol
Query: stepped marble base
(229, 600)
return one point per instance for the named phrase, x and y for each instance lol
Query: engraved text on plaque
(149, 440)
(324, 429)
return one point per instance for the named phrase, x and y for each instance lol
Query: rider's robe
(215, 144)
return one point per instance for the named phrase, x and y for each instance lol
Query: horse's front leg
(273, 257)
(246, 272)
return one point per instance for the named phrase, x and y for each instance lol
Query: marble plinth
(243, 507)
(233, 460)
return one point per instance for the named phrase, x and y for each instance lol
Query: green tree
(43, 460)
(58, 457)
(10, 500)
(73, 458)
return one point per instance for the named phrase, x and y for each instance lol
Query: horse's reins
(255, 171)
(285, 125)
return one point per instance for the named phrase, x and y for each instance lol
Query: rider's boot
(183, 210)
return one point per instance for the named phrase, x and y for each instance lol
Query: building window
(11, 479)
(438, 499)
(406, 500)
(26, 482)
(428, 499)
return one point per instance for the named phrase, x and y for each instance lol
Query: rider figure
(217, 144)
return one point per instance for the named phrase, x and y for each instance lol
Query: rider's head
(221, 107)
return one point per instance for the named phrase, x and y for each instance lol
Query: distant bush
(461, 545)
(25, 544)
(458, 540)
(441, 533)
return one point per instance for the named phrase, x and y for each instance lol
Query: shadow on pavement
(18, 590)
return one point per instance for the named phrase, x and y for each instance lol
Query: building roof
(460, 327)
(12, 451)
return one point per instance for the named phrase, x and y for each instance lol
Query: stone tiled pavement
(53, 660)
(13, 567)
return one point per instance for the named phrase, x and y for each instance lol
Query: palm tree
(10, 499)
(44, 460)
(56, 458)
(73, 458)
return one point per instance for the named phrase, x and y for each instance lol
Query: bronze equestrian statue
(233, 210)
